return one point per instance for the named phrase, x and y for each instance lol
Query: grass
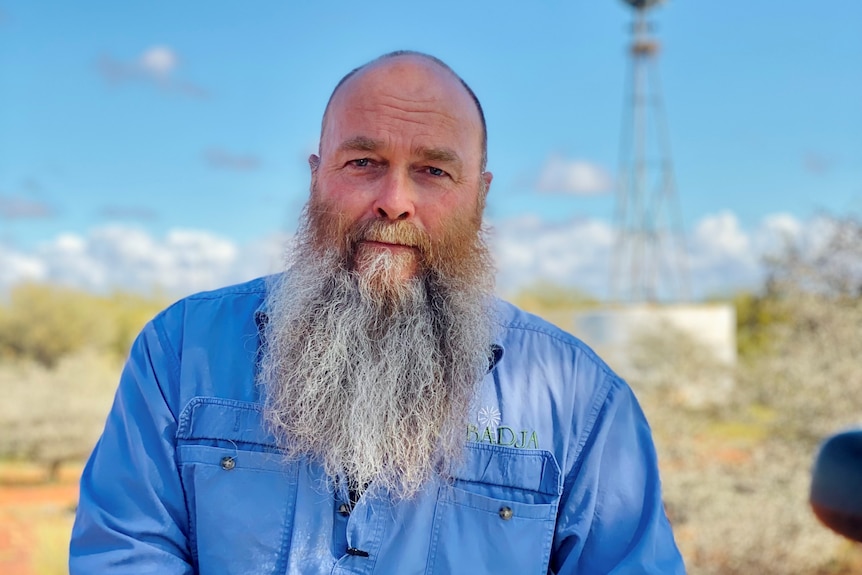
(51, 544)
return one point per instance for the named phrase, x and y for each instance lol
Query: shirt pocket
(497, 515)
(240, 490)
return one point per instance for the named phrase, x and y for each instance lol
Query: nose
(395, 199)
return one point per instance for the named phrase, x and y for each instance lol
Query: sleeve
(611, 518)
(131, 515)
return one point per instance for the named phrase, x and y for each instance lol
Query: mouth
(373, 244)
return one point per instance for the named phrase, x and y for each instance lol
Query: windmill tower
(649, 258)
(649, 266)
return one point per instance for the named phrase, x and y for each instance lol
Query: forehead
(405, 96)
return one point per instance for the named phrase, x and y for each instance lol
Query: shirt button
(344, 509)
(228, 463)
(506, 513)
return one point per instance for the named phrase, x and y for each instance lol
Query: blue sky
(158, 117)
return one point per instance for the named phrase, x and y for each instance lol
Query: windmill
(649, 279)
(649, 258)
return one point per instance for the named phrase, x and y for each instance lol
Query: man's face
(402, 142)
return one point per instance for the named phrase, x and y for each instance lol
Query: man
(374, 409)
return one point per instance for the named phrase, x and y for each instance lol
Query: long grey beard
(376, 387)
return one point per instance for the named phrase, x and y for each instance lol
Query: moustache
(398, 232)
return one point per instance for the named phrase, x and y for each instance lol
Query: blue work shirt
(559, 473)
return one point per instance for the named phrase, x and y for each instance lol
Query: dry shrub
(679, 370)
(60, 356)
(735, 484)
(55, 415)
(737, 472)
(813, 379)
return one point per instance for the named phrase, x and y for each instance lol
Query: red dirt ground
(24, 501)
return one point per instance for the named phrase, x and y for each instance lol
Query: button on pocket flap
(224, 419)
(527, 469)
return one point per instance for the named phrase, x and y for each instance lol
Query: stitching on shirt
(566, 339)
(598, 405)
(173, 361)
(513, 489)
(174, 383)
(435, 535)
(251, 287)
(288, 524)
(552, 506)
(184, 426)
(542, 455)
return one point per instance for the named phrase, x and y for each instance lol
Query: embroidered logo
(490, 431)
(489, 417)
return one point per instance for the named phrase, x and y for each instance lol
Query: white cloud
(775, 234)
(158, 60)
(117, 256)
(16, 267)
(262, 256)
(527, 249)
(158, 65)
(577, 177)
(721, 236)
(722, 255)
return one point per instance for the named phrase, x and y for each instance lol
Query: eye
(436, 171)
(361, 162)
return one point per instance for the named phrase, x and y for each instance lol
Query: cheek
(453, 212)
(340, 200)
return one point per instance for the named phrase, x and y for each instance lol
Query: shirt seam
(219, 294)
(173, 360)
(599, 403)
(173, 377)
(565, 339)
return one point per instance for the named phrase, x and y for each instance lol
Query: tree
(44, 322)
(736, 476)
(51, 416)
(812, 375)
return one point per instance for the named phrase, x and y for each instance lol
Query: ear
(313, 163)
(486, 178)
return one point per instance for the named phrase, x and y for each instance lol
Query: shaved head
(428, 58)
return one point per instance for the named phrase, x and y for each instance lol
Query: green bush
(44, 323)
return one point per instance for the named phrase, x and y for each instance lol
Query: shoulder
(251, 289)
(546, 361)
(223, 315)
(206, 344)
(524, 332)
(568, 392)
(237, 299)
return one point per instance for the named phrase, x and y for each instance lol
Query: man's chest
(250, 511)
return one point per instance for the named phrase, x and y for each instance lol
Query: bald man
(374, 409)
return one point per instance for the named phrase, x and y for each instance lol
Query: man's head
(381, 329)
(402, 142)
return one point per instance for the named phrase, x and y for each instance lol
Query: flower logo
(489, 417)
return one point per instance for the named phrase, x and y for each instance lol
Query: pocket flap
(527, 469)
(217, 418)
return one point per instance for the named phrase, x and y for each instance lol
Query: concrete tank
(615, 332)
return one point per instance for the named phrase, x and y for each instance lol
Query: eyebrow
(366, 144)
(360, 144)
(443, 155)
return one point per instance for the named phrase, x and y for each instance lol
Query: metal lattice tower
(649, 261)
